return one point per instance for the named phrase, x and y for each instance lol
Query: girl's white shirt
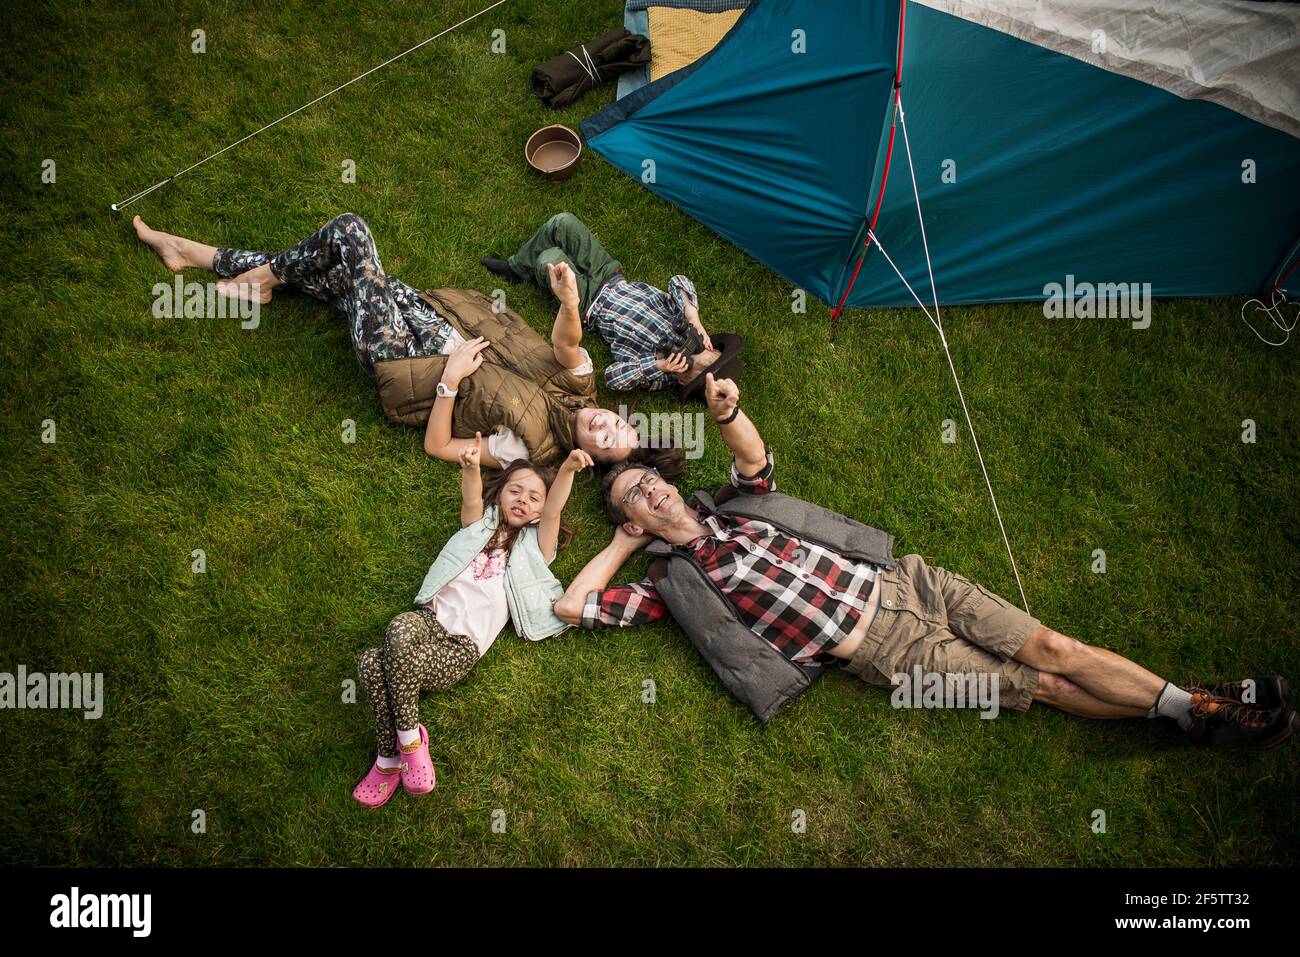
(474, 602)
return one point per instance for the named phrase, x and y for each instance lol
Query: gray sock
(1174, 703)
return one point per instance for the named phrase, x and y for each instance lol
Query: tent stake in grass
(119, 206)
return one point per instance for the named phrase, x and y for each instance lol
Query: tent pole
(884, 177)
(866, 243)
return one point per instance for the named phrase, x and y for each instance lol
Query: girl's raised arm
(471, 481)
(548, 530)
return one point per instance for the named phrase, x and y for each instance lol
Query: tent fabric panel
(1065, 169)
(1242, 54)
(772, 148)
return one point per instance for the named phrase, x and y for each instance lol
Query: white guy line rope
(937, 321)
(943, 339)
(116, 207)
(1274, 312)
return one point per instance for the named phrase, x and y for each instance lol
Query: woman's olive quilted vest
(519, 385)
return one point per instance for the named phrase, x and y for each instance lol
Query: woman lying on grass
(529, 398)
(493, 570)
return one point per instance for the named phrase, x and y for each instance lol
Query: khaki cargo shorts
(945, 623)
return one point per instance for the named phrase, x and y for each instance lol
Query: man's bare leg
(179, 253)
(1103, 675)
(1064, 694)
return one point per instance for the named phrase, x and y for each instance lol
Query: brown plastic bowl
(553, 151)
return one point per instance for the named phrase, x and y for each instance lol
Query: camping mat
(679, 37)
(704, 6)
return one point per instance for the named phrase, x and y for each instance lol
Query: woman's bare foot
(252, 286)
(176, 252)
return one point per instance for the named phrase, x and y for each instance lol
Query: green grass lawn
(224, 690)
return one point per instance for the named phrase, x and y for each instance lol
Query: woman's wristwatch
(443, 391)
(731, 418)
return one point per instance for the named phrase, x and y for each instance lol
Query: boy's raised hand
(693, 317)
(577, 461)
(675, 364)
(469, 455)
(563, 283)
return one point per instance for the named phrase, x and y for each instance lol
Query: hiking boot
(501, 268)
(1270, 691)
(1226, 723)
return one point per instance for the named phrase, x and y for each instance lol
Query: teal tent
(1053, 142)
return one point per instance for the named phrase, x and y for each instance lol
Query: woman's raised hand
(464, 361)
(469, 454)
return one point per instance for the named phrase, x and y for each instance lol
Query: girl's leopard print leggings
(418, 656)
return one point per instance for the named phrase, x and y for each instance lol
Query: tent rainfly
(1103, 141)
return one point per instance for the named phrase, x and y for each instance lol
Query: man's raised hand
(628, 541)
(722, 395)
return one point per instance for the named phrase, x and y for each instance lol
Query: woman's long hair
(670, 460)
(492, 496)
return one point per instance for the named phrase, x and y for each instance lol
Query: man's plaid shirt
(636, 320)
(801, 598)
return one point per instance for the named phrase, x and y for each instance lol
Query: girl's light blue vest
(531, 589)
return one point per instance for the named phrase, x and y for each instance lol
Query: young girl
(493, 570)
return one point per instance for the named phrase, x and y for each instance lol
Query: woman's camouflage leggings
(338, 264)
(418, 655)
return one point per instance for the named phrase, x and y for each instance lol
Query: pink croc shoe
(378, 787)
(418, 775)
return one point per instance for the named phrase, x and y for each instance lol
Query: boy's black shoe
(502, 269)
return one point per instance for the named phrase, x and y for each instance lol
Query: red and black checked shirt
(800, 597)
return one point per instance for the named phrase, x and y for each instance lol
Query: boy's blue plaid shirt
(637, 320)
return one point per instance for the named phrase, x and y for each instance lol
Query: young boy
(656, 336)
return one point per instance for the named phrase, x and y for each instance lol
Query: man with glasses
(772, 590)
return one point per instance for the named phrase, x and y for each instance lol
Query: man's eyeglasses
(642, 487)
